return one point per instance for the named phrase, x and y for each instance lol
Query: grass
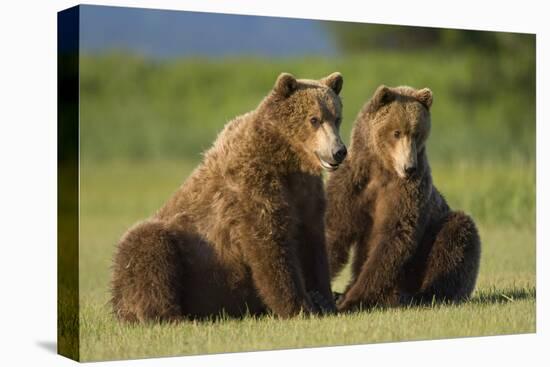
(143, 125)
(114, 195)
(106, 339)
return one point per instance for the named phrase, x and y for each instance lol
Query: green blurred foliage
(357, 37)
(483, 117)
(135, 108)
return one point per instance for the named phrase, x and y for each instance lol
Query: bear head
(308, 113)
(397, 126)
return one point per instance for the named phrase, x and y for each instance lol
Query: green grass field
(115, 195)
(144, 124)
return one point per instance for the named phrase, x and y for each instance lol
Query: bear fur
(244, 234)
(409, 246)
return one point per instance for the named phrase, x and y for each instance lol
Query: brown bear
(244, 234)
(408, 245)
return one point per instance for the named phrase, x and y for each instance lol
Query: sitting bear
(244, 234)
(408, 245)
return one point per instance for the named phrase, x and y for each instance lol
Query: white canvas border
(28, 189)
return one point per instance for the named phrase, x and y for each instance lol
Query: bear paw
(322, 304)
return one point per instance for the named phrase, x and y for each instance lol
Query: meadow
(145, 123)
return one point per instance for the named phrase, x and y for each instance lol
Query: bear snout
(340, 154)
(410, 170)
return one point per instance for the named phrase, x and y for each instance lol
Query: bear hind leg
(453, 262)
(146, 283)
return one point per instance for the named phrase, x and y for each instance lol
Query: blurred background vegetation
(483, 82)
(139, 108)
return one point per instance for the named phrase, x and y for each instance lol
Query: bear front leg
(267, 239)
(276, 276)
(315, 268)
(341, 226)
(375, 284)
(339, 245)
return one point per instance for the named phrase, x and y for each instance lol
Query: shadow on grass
(503, 295)
(482, 297)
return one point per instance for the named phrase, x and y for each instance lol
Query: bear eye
(314, 121)
(397, 134)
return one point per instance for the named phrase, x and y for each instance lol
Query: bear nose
(340, 154)
(410, 170)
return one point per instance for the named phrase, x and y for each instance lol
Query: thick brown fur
(408, 245)
(245, 232)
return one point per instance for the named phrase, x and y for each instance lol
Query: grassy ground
(144, 123)
(116, 194)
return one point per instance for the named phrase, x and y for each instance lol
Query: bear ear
(285, 85)
(383, 96)
(425, 96)
(334, 81)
